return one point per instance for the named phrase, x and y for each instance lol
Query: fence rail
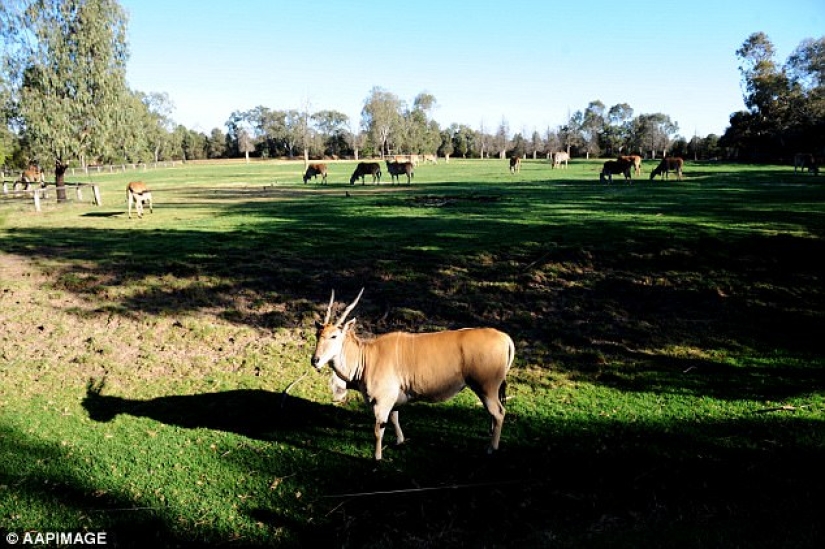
(112, 168)
(38, 193)
(100, 168)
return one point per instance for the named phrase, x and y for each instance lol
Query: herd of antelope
(393, 369)
(626, 166)
(396, 168)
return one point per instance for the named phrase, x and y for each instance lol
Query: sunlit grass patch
(155, 378)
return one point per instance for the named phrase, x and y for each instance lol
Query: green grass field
(668, 391)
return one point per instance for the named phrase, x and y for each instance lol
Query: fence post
(37, 200)
(96, 193)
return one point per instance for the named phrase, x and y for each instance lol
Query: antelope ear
(319, 324)
(349, 324)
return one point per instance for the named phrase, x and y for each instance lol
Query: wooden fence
(38, 193)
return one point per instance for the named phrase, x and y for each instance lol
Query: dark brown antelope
(616, 167)
(669, 164)
(636, 160)
(395, 368)
(364, 169)
(515, 164)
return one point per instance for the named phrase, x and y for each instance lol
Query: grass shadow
(248, 412)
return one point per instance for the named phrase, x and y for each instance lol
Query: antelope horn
(349, 309)
(329, 307)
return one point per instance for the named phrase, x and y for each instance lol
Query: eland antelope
(398, 169)
(515, 164)
(395, 368)
(366, 168)
(314, 170)
(559, 157)
(636, 160)
(616, 167)
(669, 164)
(805, 161)
(31, 175)
(137, 193)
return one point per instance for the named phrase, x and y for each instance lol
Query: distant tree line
(65, 102)
(785, 103)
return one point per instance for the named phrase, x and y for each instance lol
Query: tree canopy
(66, 66)
(65, 100)
(785, 102)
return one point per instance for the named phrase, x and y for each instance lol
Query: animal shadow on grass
(253, 413)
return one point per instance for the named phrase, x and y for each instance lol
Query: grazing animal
(314, 170)
(616, 167)
(515, 164)
(397, 169)
(366, 168)
(31, 175)
(805, 161)
(558, 158)
(138, 194)
(667, 165)
(637, 163)
(431, 158)
(399, 367)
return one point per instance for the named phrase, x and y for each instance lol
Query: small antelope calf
(138, 194)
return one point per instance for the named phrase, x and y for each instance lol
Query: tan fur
(137, 193)
(399, 367)
(31, 175)
(560, 157)
(397, 169)
(636, 160)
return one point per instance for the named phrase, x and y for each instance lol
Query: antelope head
(329, 337)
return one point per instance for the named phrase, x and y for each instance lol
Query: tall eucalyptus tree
(65, 65)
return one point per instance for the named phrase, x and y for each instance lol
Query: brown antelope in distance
(137, 193)
(395, 368)
(515, 164)
(636, 160)
(33, 174)
(616, 167)
(667, 165)
(364, 169)
(314, 170)
(805, 161)
(397, 169)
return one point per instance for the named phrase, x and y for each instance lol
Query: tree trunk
(60, 180)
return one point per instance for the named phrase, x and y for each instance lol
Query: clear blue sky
(531, 63)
